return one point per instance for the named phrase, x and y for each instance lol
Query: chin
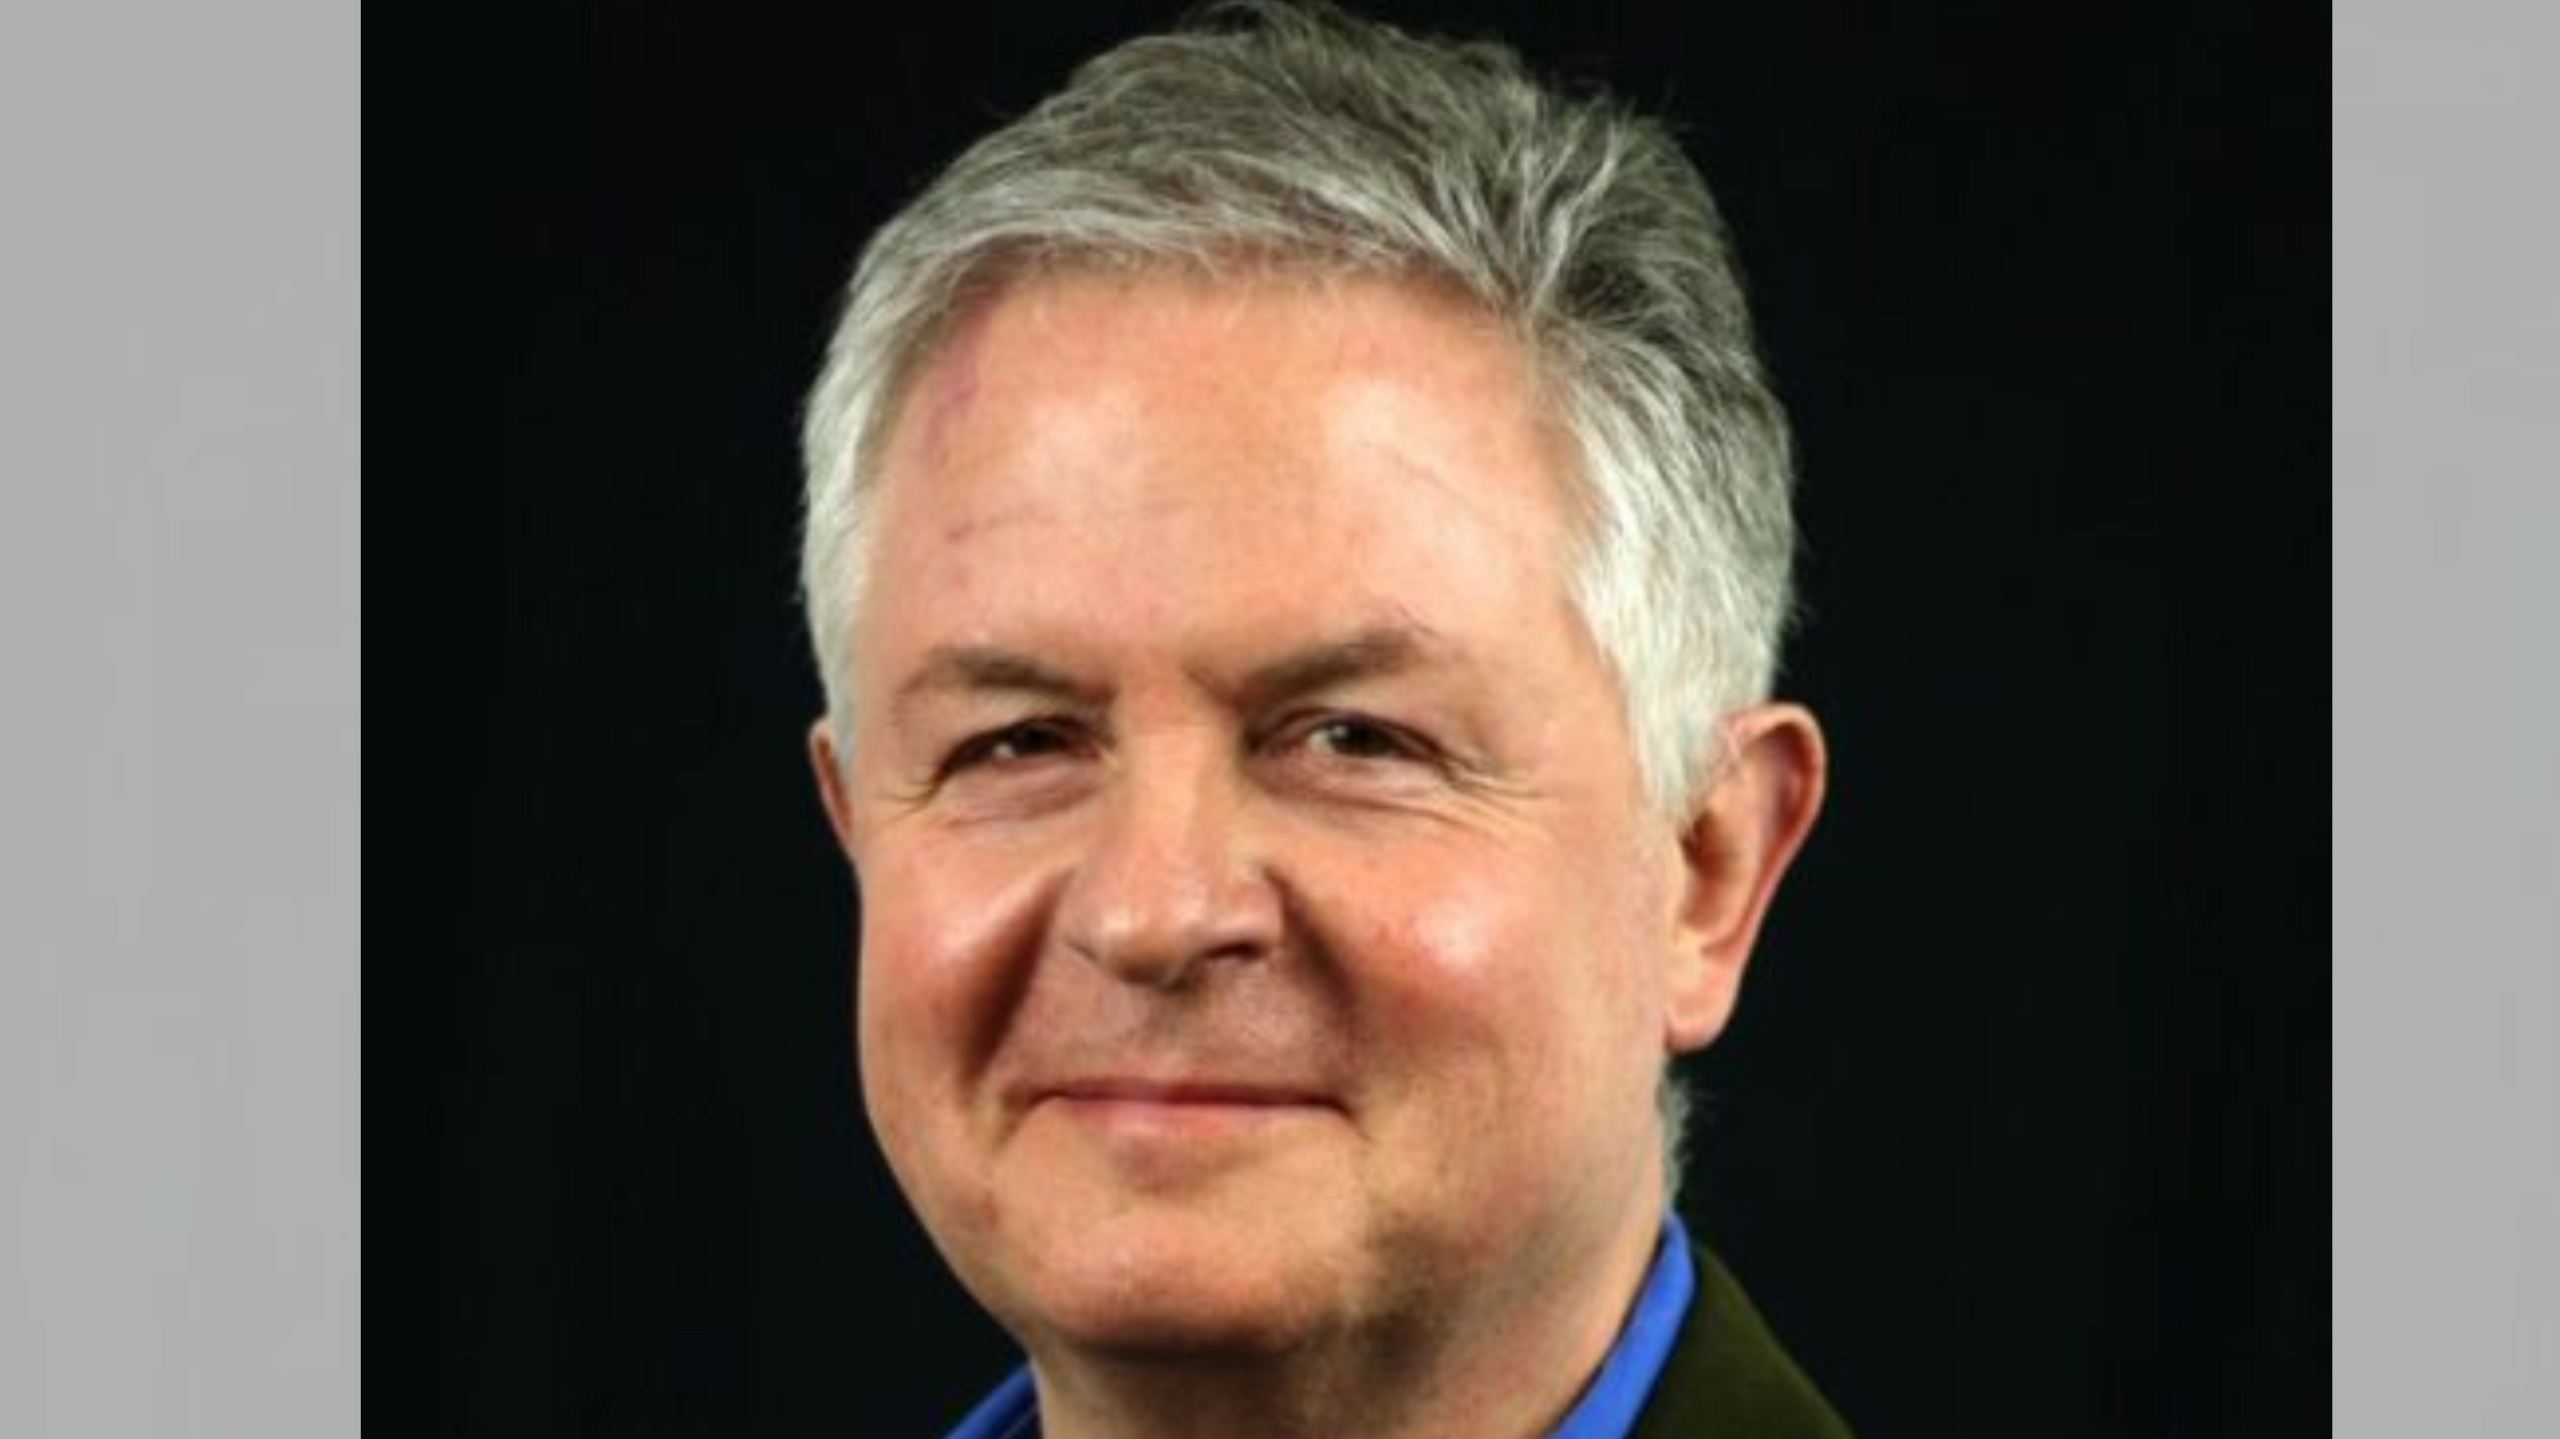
(1245, 1244)
(1190, 1285)
(1175, 1327)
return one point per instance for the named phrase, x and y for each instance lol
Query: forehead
(1089, 457)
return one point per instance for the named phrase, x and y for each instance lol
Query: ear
(1740, 839)
(832, 789)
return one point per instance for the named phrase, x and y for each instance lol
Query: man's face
(1264, 934)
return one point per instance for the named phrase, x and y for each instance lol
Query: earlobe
(833, 792)
(1738, 845)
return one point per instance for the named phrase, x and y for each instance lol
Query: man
(1297, 548)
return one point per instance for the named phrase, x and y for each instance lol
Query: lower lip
(1185, 1120)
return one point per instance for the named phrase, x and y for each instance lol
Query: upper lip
(1140, 1090)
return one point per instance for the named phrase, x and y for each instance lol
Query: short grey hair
(1300, 134)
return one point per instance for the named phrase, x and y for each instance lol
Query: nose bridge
(1171, 877)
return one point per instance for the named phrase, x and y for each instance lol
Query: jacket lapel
(1728, 1379)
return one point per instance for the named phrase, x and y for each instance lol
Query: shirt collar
(1609, 1405)
(1606, 1410)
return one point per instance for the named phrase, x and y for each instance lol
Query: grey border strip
(180, 743)
(2447, 410)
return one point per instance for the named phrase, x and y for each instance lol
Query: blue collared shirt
(1606, 1410)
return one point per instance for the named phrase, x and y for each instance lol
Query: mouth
(1182, 1093)
(1194, 1110)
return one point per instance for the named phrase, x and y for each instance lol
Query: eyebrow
(1367, 653)
(988, 669)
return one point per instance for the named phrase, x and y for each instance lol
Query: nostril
(1164, 956)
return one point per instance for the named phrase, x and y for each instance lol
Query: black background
(2023, 1127)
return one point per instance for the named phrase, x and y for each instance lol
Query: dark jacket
(1728, 1379)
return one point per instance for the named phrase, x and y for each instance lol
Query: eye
(1014, 744)
(1354, 737)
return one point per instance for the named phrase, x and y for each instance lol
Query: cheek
(1511, 991)
(1467, 975)
(945, 940)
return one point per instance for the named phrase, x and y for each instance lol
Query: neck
(1510, 1372)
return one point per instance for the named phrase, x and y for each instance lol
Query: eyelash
(1400, 744)
(979, 749)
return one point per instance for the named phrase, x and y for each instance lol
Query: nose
(1170, 880)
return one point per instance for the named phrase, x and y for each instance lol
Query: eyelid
(974, 750)
(1410, 743)
(1405, 744)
